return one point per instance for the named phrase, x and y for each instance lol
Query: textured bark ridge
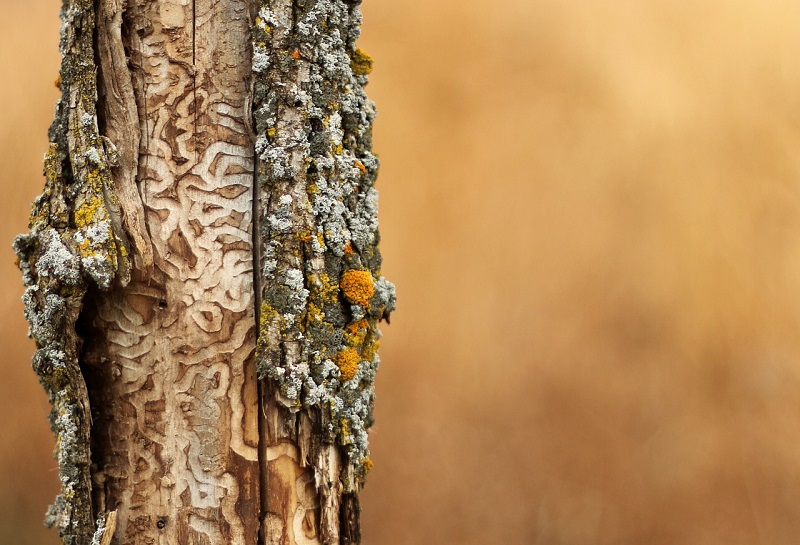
(75, 240)
(321, 291)
(169, 358)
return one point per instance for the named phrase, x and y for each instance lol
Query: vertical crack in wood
(262, 394)
(194, 32)
(194, 75)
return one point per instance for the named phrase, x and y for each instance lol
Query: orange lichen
(360, 166)
(357, 286)
(348, 249)
(347, 362)
(296, 54)
(354, 328)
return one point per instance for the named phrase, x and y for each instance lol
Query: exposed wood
(169, 358)
(107, 529)
(292, 504)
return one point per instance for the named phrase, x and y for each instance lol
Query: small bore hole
(162, 523)
(162, 304)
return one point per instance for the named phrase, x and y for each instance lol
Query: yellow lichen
(344, 431)
(347, 362)
(357, 286)
(361, 63)
(85, 214)
(271, 131)
(267, 314)
(356, 333)
(323, 288)
(368, 465)
(314, 314)
(370, 349)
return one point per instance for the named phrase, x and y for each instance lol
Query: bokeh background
(591, 211)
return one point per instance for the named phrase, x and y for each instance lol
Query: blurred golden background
(591, 211)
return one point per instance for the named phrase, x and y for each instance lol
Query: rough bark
(321, 291)
(177, 168)
(74, 241)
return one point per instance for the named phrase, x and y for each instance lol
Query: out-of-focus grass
(592, 214)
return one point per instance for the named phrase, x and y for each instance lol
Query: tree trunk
(206, 245)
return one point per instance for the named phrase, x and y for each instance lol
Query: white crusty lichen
(56, 261)
(321, 287)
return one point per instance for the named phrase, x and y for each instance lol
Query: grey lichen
(71, 244)
(321, 289)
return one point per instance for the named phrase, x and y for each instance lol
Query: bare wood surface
(170, 359)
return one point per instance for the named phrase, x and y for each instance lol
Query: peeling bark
(209, 217)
